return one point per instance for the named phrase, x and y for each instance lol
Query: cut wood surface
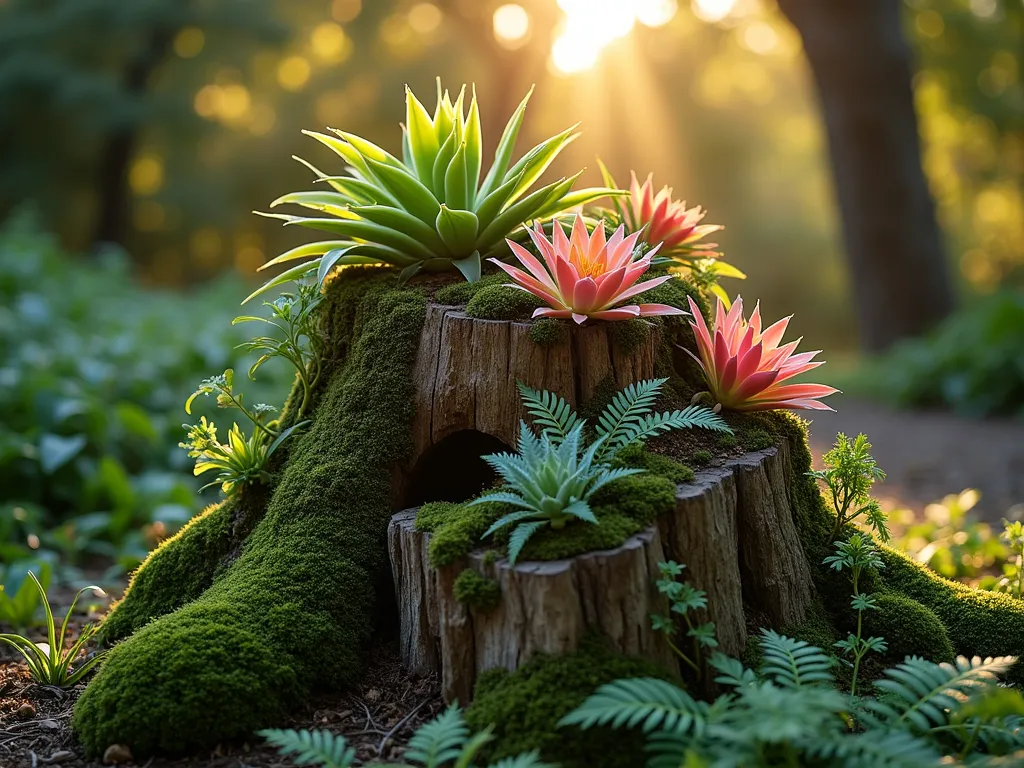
(732, 527)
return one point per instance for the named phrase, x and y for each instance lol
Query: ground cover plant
(91, 391)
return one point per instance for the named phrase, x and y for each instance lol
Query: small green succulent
(550, 483)
(428, 210)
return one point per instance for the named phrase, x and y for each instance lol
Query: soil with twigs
(377, 719)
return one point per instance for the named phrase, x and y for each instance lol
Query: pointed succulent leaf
(423, 142)
(457, 229)
(503, 154)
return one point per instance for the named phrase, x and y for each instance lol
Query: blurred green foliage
(973, 363)
(93, 374)
(950, 541)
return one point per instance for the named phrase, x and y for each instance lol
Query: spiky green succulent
(429, 210)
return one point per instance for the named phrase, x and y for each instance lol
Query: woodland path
(928, 454)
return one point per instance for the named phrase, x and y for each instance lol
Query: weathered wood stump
(732, 526)
(466, 372)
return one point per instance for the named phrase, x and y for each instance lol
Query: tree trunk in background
(861, 64)
(112, 176)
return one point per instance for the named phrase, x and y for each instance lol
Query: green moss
(525, 706)
(455, 528)
(639, 497)
(476, 591)
(578, 537)
(701, 458)
(628, 335)
(908, 627)
(175, 573)
(502, 302)
(459, 294)
(637, 455)
(726, 441)
(757, 439)
(549, 332)
(292, 614)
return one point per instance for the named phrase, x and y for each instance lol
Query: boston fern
(444, 741)
(428, 210)
(553, 476)
(790, 714)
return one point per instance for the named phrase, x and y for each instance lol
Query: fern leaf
(648, 702)
(551, 413)
(923, 694)
(874, 749)
(525, 760)
(793, 663)
(518, 538)
(627, 408)
(439, 741)
(312, 747)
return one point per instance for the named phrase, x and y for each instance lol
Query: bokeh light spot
(511, 25)
(146, 175)
(330, 44)
(293, 73)
(930, 24)
(425, 18)
(712, 10)
(655, 13)
(189, 42)
(345, 10)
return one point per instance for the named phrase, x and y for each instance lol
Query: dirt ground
(928, 455)
(377, 719)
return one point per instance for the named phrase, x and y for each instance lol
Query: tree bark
(862, 66)
(112, 177)
(732, 527)
(467, 369)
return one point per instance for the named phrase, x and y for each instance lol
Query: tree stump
(465, 376)
(732, 526)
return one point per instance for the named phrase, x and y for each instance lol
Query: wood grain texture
(732, 527)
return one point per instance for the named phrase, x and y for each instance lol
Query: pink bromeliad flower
(668, 221)
(744, 367)
(585, 276)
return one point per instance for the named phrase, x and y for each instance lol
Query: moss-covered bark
(293, 612)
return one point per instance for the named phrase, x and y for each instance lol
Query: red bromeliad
(586, 276)
(744, 367)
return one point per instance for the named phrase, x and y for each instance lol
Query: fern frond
(552, 414)
(922, 694)
(439, 741)
(648, 702)
(793, 663)
(627, 408)
(673, 750)
(525, 760)
(312, 747)
(874, 749)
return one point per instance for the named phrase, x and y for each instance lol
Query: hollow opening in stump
(453, 469)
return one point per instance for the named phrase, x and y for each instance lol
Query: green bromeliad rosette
(428, 210)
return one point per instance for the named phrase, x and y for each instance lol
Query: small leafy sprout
(49, 663)
(549, 483)
(857, 555)
(683, 600)
(293, 315)
(241, 460)
(444, 741)
(849, 474)
(552, 477)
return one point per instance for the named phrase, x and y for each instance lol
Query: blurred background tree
(160, 125)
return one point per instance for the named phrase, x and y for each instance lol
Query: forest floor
(928, 455)
(377, 718)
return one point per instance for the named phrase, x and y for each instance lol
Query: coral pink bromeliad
(585, 276)
(744, 366)
(668, 221)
